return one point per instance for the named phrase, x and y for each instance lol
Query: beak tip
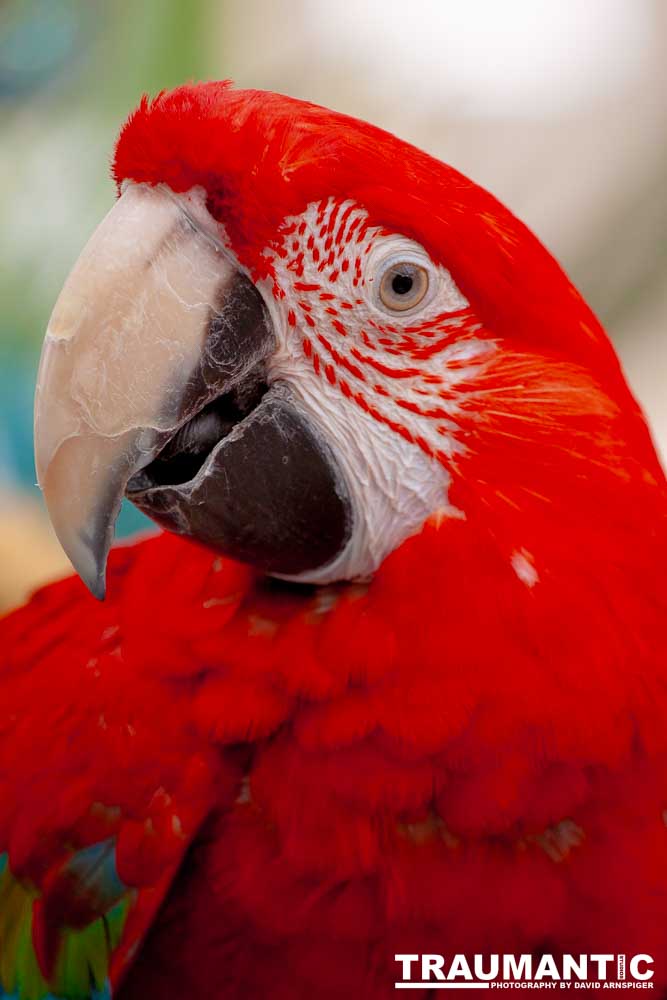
(98, 588)
(94, 578)
(85, 534)
(89, 559)
(93, 573)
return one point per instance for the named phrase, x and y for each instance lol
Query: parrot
(390, 681)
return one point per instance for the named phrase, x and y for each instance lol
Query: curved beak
(155, 321)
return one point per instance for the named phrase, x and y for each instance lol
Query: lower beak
(154, 322)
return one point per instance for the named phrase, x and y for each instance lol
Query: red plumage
(454, 757)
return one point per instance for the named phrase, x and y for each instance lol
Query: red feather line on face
(374, 366)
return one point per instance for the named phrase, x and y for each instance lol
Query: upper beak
(155, 320)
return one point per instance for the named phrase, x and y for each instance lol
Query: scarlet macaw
(394, 679)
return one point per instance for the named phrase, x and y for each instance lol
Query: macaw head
(297, 339)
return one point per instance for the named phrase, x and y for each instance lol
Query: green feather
(82, 967)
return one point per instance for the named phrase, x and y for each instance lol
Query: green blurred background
(560, 108)
(69, 73)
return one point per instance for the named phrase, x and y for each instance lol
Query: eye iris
(401, 284)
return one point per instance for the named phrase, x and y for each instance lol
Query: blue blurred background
(560, 108)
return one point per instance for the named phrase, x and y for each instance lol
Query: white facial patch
(381, 386)
(393, 485)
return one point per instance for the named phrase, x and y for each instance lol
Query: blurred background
(557, 106)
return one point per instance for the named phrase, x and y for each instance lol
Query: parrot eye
(403, 285)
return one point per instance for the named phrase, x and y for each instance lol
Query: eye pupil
(401, 284)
